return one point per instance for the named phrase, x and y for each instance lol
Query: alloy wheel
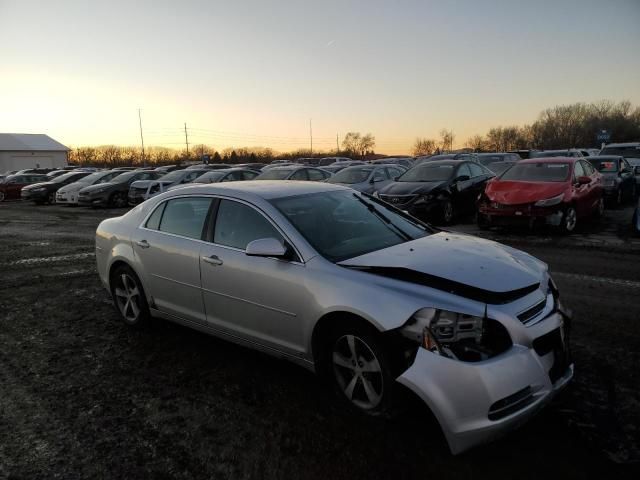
(600, 210)
(1, 196)
(358, 372)
(119, 200)
(128, 298)
(51, 198)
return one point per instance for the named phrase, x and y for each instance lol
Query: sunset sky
(249, 73)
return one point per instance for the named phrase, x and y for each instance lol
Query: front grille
(511, 404)
(532, 312)
(397, 199)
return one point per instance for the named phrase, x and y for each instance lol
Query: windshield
(630, 151)
(489, 159)
(175, 176)
(537, 172)
(210, 177)
(604, 165)
(63, 178)
(123, 177)
(499, 167)
(428, 172)
(351, 175)
(342, 225)
(551, 153)
(275, 174)
(89, 179)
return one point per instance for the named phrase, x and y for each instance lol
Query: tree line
(562, 126)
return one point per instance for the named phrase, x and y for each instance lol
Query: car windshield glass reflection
(341, 225)
(351, 175)
(428, 173)
(537, 172)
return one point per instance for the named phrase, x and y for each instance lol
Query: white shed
(28, 150)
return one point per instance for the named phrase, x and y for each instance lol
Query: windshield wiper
(371, 207)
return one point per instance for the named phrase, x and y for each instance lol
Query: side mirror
(584, 180)
(266, 247)
(462, 178)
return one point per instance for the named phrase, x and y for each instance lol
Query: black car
(443, 156)
(406, 162)
(618, 180)
(114, 193)
(439, 190)
(45, 192)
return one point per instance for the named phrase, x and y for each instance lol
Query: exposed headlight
(457, 335)
(550, 202)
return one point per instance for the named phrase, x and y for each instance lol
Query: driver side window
(464, 170)
(238, 224)
(578, 171)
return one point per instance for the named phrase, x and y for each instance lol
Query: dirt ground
(82, 396)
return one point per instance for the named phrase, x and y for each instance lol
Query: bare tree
(446, 139)
(424, 146)
(357, 144)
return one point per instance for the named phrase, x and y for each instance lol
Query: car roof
(605, 157)
(265, 189)
(627, 144)
(445, 161)
(552, 160)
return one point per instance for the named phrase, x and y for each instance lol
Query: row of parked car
(557, 188)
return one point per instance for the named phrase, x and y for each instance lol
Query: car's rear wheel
(448, 213)
(118, 200)
(2, 196)
(359, 369)
(128, 297)
(483, 221)
(599, 208)
(569, 220)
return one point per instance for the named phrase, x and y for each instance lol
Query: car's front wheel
(448, 213)
(51, 198)
(129, 298)
(2, 196)
(118, 200)
(359, 369)
(569, 220)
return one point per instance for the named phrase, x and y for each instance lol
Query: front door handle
(212, 260)
(142, 244)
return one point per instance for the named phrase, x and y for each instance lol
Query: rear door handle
(212, 260)
(142, 244)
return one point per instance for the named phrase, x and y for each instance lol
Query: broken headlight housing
(457, 335)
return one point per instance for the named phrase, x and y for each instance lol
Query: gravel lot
(81, 396)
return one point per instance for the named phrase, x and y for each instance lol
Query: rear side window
(578, 171)
(184, 216)
(249, 175)
(316, 175)
(464, 170)
(238, 224)
(300, 175)
(153, 222)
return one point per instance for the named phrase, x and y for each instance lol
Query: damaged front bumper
(529, 215)
(476, 402)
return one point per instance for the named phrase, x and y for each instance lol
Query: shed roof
(29, 141)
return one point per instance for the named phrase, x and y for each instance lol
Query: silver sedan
(349, 287)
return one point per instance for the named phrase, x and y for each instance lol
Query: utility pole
(144, 160)
(186, 137)
(311, 136)
(337, 145)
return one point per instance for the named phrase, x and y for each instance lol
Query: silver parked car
(353, 289)
(367, 178)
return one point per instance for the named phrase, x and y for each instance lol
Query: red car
(554, 191)
(11, 186)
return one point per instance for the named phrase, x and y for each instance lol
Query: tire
(569, 220)
(448, 212)
(599, 211)
(51, 198)
(129, 297)
(118, 200)
(359, 370)
(2, 195)
(483, 221)
(618, 199)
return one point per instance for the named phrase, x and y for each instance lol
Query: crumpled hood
(450, 261)
(410, 188)
(516, 193)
